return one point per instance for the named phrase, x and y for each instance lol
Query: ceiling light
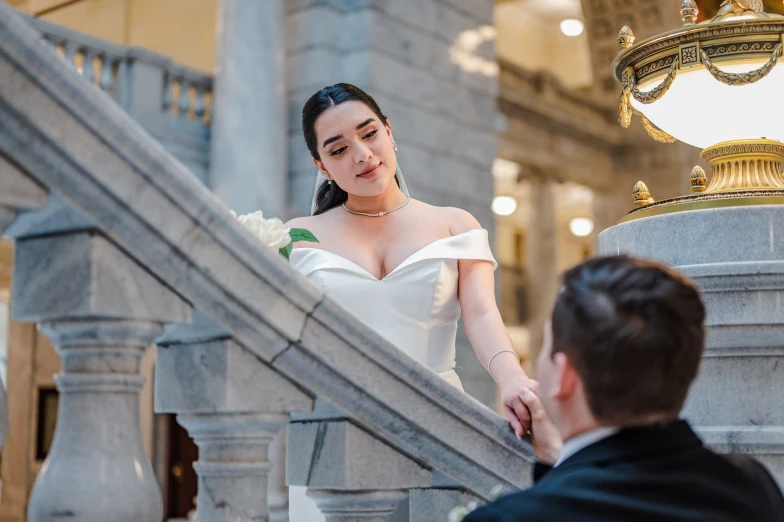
(505, 169)
(581, 227)
(572, 27)
(504, 205)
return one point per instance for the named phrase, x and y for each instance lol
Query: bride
(405, 268)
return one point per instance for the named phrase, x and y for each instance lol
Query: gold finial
(741, 6)
(642, 196)
(699, 181)
(689, 12)
(626, 37)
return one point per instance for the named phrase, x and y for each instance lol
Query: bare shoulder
(455, 219)
(459, 220)
(301, 222)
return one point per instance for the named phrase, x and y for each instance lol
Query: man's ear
(566, 377)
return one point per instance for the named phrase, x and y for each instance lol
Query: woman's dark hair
(330, 195)
(633, 330)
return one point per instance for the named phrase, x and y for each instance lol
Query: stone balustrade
(130, 249)
(171, 101)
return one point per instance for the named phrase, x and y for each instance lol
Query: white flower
(271, 232)
(458, 514)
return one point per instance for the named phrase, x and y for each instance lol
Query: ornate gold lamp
(716, 85)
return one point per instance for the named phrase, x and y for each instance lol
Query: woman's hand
(517, 413)
(546, 439)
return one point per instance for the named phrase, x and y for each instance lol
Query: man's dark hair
(633, 330)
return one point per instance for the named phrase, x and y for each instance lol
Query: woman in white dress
(406, 268)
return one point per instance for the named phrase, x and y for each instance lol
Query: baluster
(122, 87)
(168, 92)
(233, 405)
(198, 106)
(106, 79)
(184, 102)
(87, 65)
(71, 49)
(101, 310)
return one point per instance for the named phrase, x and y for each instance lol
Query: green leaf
(286, 250)
(300, 234)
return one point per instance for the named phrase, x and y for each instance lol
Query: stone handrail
(144, 209)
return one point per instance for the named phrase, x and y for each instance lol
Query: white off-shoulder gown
(415, 307)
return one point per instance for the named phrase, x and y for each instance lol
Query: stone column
(541, 258)
(233, 465)
(101, 311)
(234, 406)
(249, 136)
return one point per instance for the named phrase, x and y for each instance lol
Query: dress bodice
(415, 306)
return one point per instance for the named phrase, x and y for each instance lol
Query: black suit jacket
(645, 474)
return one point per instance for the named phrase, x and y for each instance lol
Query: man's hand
(546, 439)
(516, 411)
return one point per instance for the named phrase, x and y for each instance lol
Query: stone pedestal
(356, 506)
(101, 311)
(248, 148)
(736, 257)
(350, 474)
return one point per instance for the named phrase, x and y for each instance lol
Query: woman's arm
(488, 335)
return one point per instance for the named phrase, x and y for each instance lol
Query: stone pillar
(350, 474)
(734, 255)
(233, 465)
(541, 258)
(249, 130)
(101, 310)
(234, 406)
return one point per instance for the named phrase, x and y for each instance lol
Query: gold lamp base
(745, 165)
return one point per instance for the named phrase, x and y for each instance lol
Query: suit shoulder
(758, 475)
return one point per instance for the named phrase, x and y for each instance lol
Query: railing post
(145, 84)
(101, 311)
(233, 406)
(350, 474)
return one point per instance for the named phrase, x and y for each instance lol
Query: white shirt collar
(583, 440)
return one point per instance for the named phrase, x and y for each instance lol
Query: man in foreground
(619, 356)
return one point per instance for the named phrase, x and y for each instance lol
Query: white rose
(271, 232)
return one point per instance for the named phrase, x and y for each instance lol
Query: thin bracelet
(494, 356)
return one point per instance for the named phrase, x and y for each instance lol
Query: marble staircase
(119, 246)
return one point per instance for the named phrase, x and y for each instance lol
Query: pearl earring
(395, 144)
